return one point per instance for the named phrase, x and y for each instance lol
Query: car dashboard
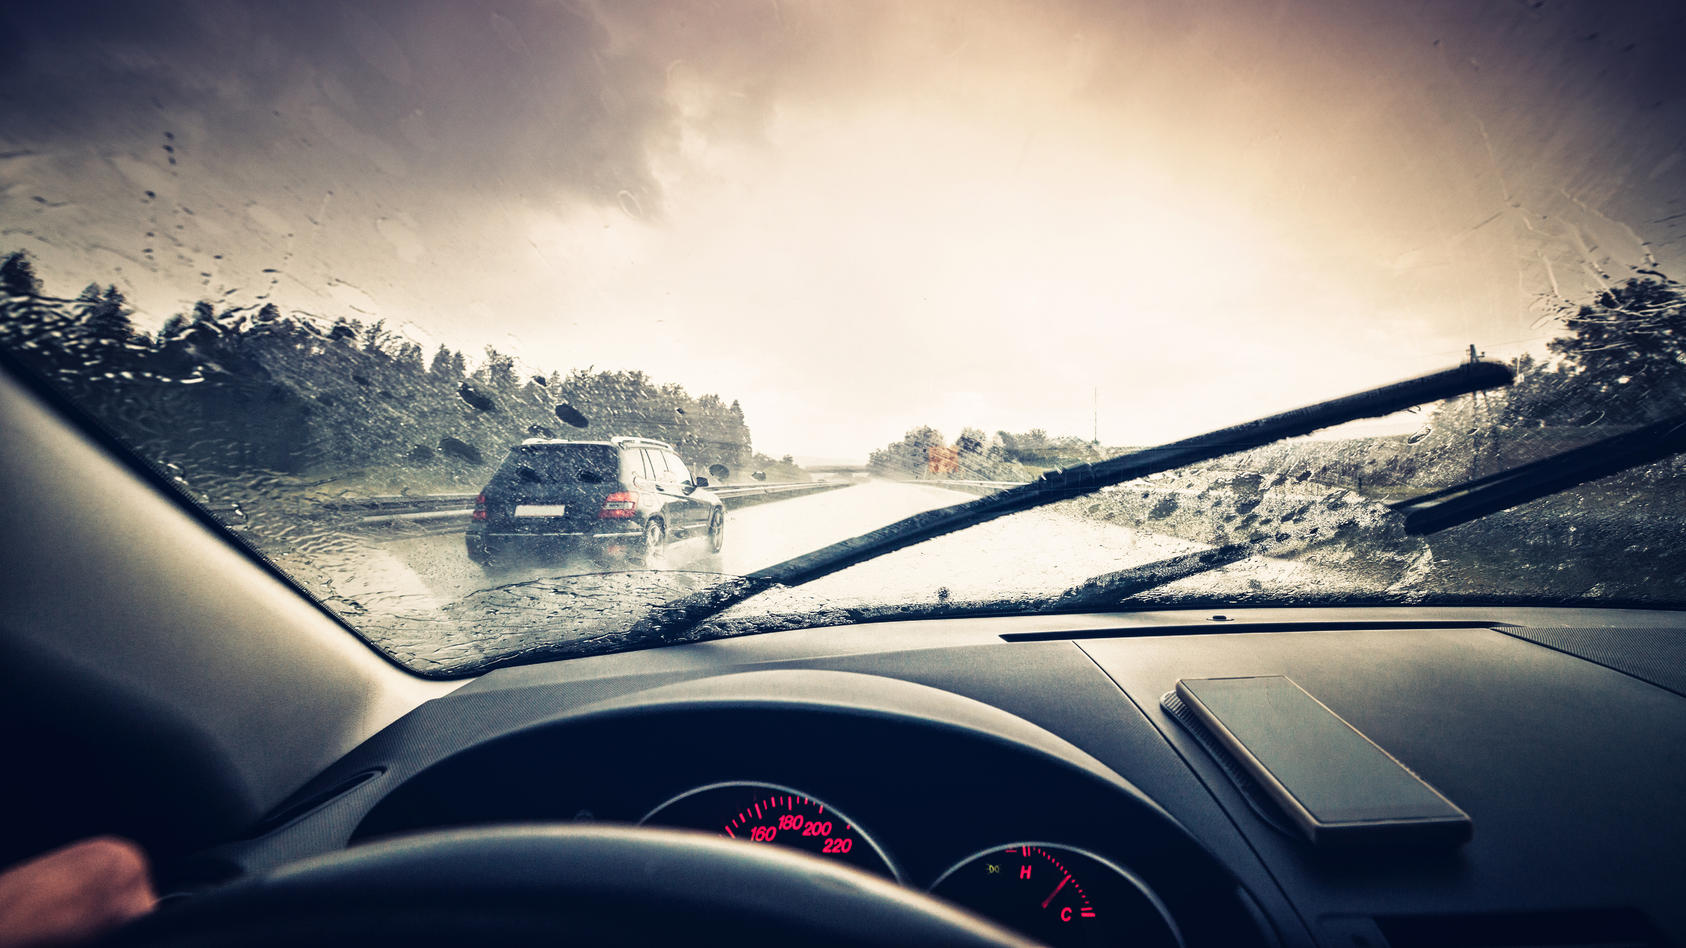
(1024, 768)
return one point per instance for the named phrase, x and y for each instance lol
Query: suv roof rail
(558, 441)
(643, 442)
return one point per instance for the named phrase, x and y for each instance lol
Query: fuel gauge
(1060, 896)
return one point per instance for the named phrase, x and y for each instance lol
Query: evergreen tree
(498, 371)
(107, 318)
(172, 328)
(17, 275)
(409, 358)
(376, 339)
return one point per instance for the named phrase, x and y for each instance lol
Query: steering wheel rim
(550, 884)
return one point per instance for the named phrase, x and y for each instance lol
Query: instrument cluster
(1057, 893)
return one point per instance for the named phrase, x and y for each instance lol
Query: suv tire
(717, 530)
(654, 548)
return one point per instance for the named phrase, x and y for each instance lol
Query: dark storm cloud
(456, 93)
(530, 97)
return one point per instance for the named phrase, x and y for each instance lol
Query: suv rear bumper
(485, 544)
(512, 536)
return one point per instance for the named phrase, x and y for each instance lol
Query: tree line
(230, 388)
(974, 455)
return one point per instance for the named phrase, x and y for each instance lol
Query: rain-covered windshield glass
(515, 329)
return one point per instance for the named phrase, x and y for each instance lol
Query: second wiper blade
(1081, 479)
(1471, 500)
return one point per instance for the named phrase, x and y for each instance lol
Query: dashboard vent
(292, 811)
(1654, 655)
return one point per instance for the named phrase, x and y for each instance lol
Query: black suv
(625, 496)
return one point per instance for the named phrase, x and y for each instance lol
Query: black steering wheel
(563, 884)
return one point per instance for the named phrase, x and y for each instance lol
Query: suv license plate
(540, 510)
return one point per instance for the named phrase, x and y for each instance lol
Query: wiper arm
(671, 621)
(1082, 479)
(1424, 514)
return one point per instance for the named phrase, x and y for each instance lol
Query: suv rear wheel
(717, 530)
(655, 544)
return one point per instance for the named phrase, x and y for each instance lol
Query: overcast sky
(857, 217)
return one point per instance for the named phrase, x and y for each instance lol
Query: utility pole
(1474, 426)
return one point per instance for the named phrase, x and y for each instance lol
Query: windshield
(553, 327)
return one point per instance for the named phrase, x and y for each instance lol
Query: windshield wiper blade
(1423, 514)
(1082, 479)
(1471, 500)
(679, 618)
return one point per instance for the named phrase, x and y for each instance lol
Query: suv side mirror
(702, 482)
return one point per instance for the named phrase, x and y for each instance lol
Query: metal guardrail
(742, 495)
(407, 503)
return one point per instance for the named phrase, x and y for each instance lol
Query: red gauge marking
(1061, 866)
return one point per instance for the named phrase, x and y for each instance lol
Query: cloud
(563, 109)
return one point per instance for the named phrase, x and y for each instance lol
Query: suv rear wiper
(672, 619)
(1423, 514)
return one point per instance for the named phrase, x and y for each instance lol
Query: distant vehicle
(626, 497)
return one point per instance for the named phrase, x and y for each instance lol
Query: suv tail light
(620, 505)
(479, 508)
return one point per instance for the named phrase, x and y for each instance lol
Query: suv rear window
(561, 464)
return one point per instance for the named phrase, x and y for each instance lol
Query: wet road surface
(424, 599)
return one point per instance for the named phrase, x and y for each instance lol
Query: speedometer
(770, 814)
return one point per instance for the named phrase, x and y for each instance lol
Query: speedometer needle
(1056, 891)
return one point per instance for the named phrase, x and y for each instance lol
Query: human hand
(74, 893)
